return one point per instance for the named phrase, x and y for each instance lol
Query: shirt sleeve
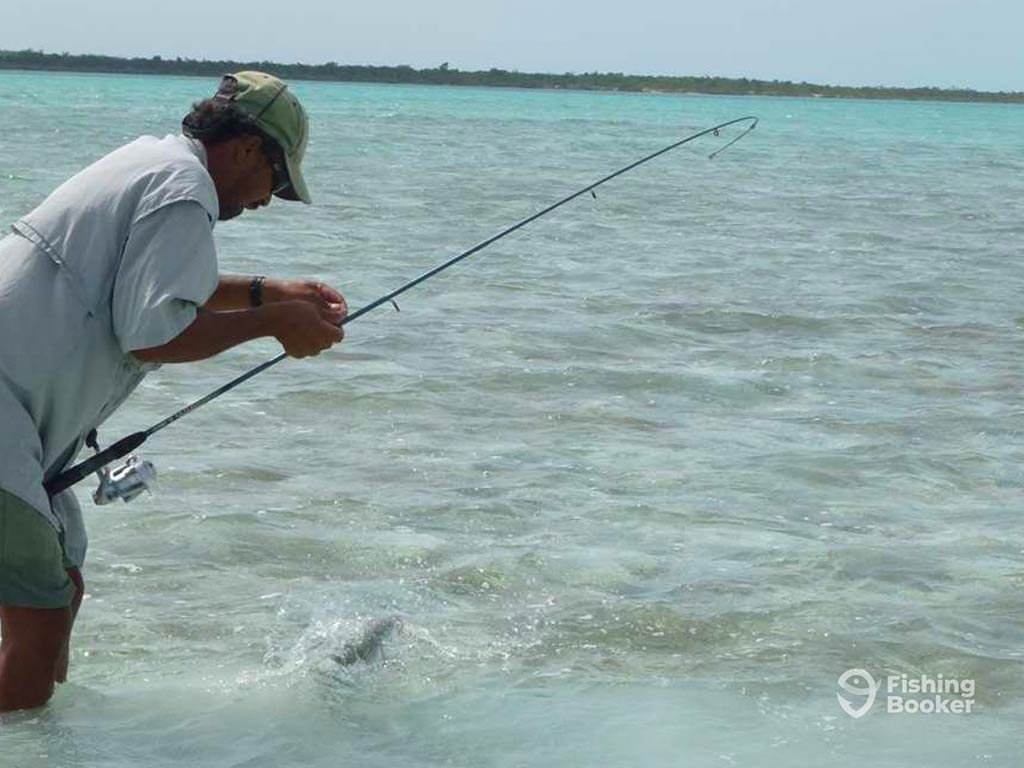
(168, 268)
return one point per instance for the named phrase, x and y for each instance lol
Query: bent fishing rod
(126, 445)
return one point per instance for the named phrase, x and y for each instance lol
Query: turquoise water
(642, 480)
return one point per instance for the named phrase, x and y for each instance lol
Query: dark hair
(214, 121)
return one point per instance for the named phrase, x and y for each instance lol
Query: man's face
(245, 177)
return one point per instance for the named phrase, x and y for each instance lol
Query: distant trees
(444, 74)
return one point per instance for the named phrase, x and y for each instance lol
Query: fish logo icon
(849, 682)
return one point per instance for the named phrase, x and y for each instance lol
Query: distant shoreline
(494, 78)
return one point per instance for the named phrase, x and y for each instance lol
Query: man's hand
(306, 327)
(318, 294)
(304, 310)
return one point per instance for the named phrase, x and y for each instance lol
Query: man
(113, 274)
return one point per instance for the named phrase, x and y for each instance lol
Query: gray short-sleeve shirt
(116, 259)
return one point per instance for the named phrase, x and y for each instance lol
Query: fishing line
(126, 445)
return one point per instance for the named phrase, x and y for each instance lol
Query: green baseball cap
(276, 111)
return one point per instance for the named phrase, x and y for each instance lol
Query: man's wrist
(268, 319)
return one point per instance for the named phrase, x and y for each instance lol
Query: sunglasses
(279, 180)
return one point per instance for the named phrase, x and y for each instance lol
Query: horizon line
(446, 74)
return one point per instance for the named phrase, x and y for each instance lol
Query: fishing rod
(130, 479)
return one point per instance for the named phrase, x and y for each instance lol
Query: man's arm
(303, 328)
(232, 292)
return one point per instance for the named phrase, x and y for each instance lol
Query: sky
(944, 43)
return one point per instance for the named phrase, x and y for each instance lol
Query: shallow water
(641, 480)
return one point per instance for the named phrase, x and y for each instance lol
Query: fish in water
(369, 646)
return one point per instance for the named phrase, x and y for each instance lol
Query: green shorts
(33, 564)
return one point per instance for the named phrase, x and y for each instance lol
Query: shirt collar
(197, 149)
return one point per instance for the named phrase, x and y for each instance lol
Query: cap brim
(297, 189)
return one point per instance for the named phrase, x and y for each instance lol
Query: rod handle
(69, 477)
